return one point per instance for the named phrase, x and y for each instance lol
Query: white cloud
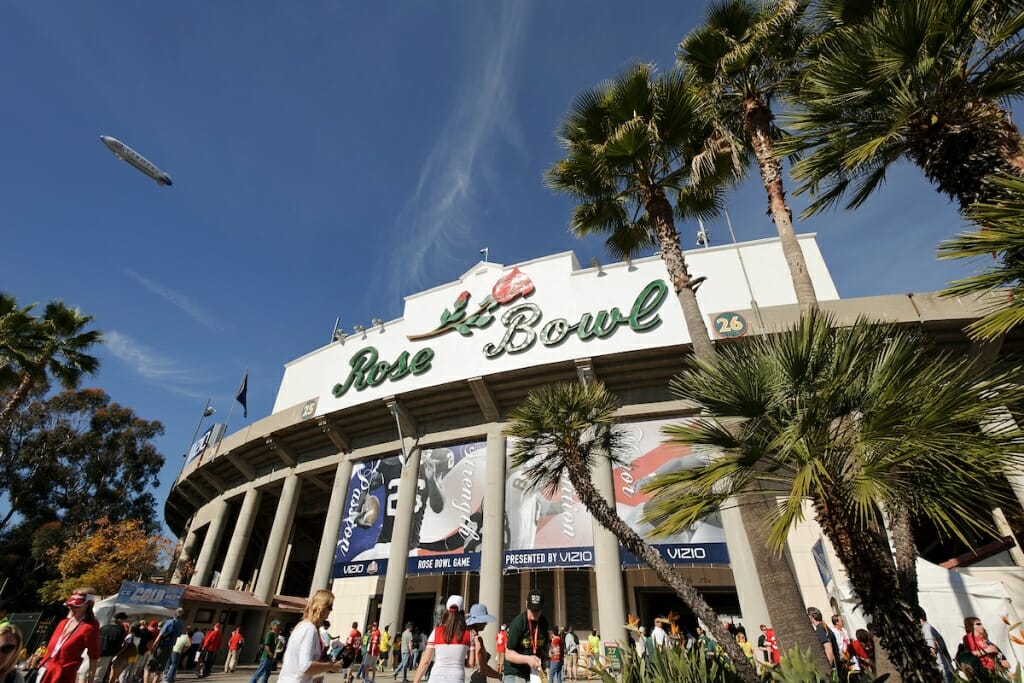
(152, 365)
(439, 217)
(179, 300)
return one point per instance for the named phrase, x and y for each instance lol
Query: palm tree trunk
(875, 579)
(757, 120)
(904, 553)
(660, 211)
(784, 601)
(1012, 144)
(17, 398)
(785, 609)
(579, 475)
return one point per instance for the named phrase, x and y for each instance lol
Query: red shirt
(213, 640)
(235, 641)
(373, 649)
(355, 640)
(555, 649)
(62, 667)
(501, 640)
(773, 645)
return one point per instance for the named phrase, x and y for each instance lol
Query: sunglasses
(8, 648)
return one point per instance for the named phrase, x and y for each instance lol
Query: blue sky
(328, 157)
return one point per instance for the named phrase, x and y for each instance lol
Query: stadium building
(382, 472)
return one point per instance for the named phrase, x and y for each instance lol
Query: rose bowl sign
(521, 323)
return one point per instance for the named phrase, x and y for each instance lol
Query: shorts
(159, 661)
(370, 661)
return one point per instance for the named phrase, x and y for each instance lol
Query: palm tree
(866, 422)
(19, 336)
(59, 352)
(633, 146)
(739, 60)
(1001, 232)
(922, 80)
(561, 430)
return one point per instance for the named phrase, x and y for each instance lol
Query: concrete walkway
(244, 673)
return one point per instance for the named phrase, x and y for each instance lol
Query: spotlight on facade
(595, 263)
(377, 322)
(360, 329)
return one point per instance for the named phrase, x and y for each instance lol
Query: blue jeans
(555, 672)
(403, 667)
(172, 667)
(263, 670)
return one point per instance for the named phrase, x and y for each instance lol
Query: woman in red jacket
(78, 633)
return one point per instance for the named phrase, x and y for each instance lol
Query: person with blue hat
(476, 620)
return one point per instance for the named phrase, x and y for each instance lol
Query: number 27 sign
(730, 324)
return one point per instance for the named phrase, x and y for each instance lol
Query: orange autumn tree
(102, 554)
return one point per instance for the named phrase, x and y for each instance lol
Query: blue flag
(242, 395)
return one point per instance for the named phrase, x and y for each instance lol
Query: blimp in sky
(126, 153)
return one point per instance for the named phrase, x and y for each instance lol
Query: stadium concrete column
(273, 555)
(611, 614)
(741, 559)
(492, 551)
(329, 540)
(239, 539)
(398, 557)
(204, 562)
(188, 547)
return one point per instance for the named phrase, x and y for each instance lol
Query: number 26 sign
(730, 324)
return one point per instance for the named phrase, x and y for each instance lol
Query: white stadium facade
(382, 472)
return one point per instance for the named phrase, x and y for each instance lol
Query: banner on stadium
(368, 520)
(447, 526)
(545, 529)
(646, 455)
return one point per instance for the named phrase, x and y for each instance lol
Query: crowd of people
(137, 651)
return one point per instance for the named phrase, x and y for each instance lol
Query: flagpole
(207, 412)
(231, 410)
(238, 397)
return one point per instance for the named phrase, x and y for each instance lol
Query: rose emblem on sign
(507, 289)
(512, 286)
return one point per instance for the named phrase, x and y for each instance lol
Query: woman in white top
(448, 647)
(301, 662)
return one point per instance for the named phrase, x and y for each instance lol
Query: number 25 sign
(730, 324)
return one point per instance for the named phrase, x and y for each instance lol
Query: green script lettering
(649, 301)
(367, 371)
(520, 323)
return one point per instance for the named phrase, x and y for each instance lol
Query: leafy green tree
(868, 424)
(633, 146)
(740, 60)
(921, 80)
(76, 455)
(58, 351)
(1001, 231)
(564, 430)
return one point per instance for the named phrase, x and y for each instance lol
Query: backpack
(111, 640)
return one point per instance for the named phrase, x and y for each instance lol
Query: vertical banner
(364, 539)
(646, 456)
(545, 529)
(448, 519)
